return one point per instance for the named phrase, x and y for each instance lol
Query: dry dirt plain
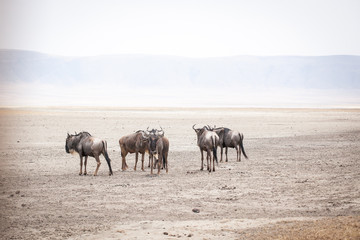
(301, 181)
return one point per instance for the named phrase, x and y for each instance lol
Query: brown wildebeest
(165, 148)
(86, 145)
(208, 141)
(158, 148)
(133, 143)
(230, 139)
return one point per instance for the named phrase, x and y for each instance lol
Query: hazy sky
(190, 28)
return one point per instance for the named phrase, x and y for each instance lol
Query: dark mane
(82, 133)
(86, 133)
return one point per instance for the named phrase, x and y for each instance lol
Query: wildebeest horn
(145, 135)
(194, 126)
(161, 130)
(161, 133)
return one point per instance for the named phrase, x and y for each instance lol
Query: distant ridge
(35, 79)
(323, 72)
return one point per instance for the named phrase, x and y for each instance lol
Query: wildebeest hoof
(85, 173)
(80, 173)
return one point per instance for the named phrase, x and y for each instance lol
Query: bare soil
(301, 180)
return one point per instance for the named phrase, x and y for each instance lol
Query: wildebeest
(86, 145)
(230, 139)
(133, 143)
(158, 148)
(208, 141)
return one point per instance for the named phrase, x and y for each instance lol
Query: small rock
(166, 233)
(23, 205)
(190, 235)
(196, 210)
(17, 192)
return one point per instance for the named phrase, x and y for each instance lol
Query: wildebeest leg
(213, 159)
(166, 163)
(226, 150)
(159, 163)
(124, 166)
(85, 163)
(202, 160)
(221, 153)
(156, 162)
(80, 173)
(208, 158)
(152, 164)
(237, 154)
(149, 161)
(98, 164)
(142, 162)
(136, 160)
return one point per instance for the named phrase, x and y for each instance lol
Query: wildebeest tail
(241, 144)
(107, 157)
(215, 144)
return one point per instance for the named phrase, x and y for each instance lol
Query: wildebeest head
(199, 131)
(72, 140)
(153, 136)
(69, 143)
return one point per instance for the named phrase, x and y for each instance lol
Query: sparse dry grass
(322, 229)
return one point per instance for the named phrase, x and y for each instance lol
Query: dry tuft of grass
(322, 229)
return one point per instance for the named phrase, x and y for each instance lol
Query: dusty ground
(301, 181)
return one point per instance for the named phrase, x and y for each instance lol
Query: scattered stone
(196, 210)
(22, 195)
(190, 235)
(303, 181)
(23, 205)
(17, 192)
(11, 195)
(166, 233)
